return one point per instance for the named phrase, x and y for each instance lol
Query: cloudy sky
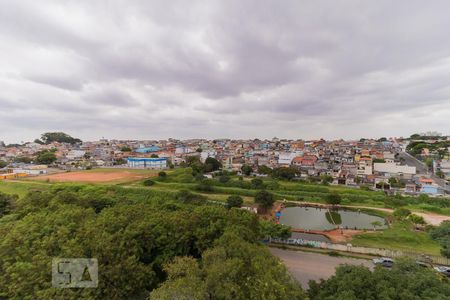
(183, 69)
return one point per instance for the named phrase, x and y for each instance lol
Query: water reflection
(312, 218)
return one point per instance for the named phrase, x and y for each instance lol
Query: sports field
(110, 176)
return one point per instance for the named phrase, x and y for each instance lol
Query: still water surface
(311, 218)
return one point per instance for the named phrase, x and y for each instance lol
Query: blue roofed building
(147, 162)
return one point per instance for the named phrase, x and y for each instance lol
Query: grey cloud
(236, 68)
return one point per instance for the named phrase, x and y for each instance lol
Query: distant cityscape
(419, 164)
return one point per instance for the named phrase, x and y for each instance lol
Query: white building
(364, 167)
(285, 158)
(147, 163)
(393, 169)
(75, 154)
(207, 153)
(32, 170)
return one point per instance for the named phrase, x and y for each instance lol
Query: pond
(312, 218)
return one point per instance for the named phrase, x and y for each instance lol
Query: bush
(401, 213)
(234, 201)
(162, 174)
(148, 182)
(257, 183)
(333, 199)
(204, 187)
(264, 199)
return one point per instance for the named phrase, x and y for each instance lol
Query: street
(305, 266)
(422, 169)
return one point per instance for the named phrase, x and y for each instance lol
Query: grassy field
(397, 237)
(21, 188)
(400, 236)
(101, 176)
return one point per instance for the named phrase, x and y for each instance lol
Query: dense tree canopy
(212, 164)
(6, 203)
(442, 235)
(134, 233)
(264, 199)
(233, 269)
(287, 173)
(45, 157)
(60, 137)
(3, 163)
(334, 199)
(264, 170)
(246, 170)
(405, 281)
(234, 201)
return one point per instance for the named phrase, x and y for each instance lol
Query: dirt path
(430, 218)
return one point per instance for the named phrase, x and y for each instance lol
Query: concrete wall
(361, 250)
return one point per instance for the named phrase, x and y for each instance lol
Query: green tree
(148, 182)
(442, 234)
(287, 173)
(406, 280)
(125, 149)
(45, 158)
(154, 155)
(234, 201)
(119, 161)
(273, 230)
(333, 199)
(401, 213)
(326, 178)
(264, 199)
(59, 137)
(233, 269)
(212, 164)
(416, 219)
(3, 163)
(184, 281)
(224, 178)
(23, 159)
(376, 224)
(379, 160)
(257, 183)
(264, 170)
(246, 170)
(6, 203)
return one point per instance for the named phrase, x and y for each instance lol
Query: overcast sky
(238, 69)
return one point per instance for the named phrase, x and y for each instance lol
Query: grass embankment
(400, 236)
(297, 191)
(21, 188)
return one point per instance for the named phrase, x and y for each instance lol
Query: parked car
(384, 261)
(443, 270)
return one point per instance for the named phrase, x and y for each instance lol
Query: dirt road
(305, 266)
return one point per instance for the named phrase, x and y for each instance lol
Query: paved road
(422, 169)
(305, 266)
(410, 160)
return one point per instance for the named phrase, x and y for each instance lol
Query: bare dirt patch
(96, 177)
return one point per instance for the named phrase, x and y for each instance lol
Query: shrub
(148, 182)
(234, 201)
(264, 199)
